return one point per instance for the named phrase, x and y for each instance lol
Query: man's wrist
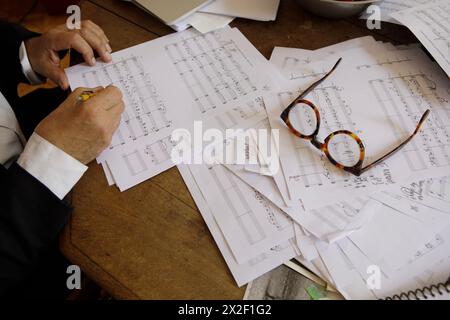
(27, 68)
(54, 168)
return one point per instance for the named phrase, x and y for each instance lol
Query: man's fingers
(66, 40)
(97, 42)
(117, 109)
(107, 99)
(61, 79)
(54, 58)
(116, 123)
(114, 117)
(95, 28)
(78, 91)
(57, 75)
(100, 33)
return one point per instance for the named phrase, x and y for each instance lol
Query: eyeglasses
(343, 148)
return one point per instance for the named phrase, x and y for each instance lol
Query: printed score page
(380, 98)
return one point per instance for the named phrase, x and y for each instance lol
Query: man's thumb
(58, 76)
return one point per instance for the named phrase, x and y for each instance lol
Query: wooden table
(150, 242)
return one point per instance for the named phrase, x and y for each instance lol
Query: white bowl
(335, 9)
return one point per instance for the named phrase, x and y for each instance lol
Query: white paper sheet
(252, 268)
(428, 265)
(345, 276)
(207, 22)
(328, 223)
(430, 23)
(250, 224)
(217, 78)
(387, 7)
(108, 174)
(262, 10)
(305, 243)
(420, 199)
(391, 238)
(380, 98)
(289, 60)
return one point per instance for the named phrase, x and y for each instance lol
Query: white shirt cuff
(31, 76)
(54, 168)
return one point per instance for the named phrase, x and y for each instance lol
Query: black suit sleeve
(12, 37)
(31, 217)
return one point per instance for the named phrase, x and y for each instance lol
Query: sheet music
(289, 60)
(108, 174)
(305, 243)
(329, 223)
(394, 89)
(249, 222)
(216, 77)
(262, 10)
(252, 267)
(387, 7)
(430, 23)
(429, 264)
(391, 238)
(420, 199)
(438, 189)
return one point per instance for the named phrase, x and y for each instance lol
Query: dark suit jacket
(31, 216)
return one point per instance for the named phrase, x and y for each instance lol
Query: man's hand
(84, 129)
(43, 50)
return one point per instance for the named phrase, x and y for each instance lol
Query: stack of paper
(169, 83)
(292, 203)
(388, 7)
(347, 230)
(429, 20)
(213, 14)
(220, 13)
(401, 233)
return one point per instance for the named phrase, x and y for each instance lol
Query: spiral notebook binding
(424, 293)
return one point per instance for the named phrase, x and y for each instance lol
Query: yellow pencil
(85, 96)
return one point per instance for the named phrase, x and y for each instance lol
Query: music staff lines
(145, 112)
(335, 114)
(154, 154)
(205, 63)
(435, 18)
(238, 205)
(413, 93)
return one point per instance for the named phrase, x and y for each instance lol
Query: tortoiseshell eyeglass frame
(358, 168)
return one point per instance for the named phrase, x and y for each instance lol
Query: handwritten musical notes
(379, 95)
(169, 83)
(388, 7)
(430, 23)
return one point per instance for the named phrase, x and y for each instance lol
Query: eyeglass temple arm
(315, 84)
(390, 153)
(310, 88)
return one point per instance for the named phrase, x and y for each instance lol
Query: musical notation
(170, 83)
(238, 113)
(251, 224)
(145, 111)
(439, 188)
(313, 167)
(430, 23)
(218, 61)
(140, 160)
(411, 95)
(382, 105)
